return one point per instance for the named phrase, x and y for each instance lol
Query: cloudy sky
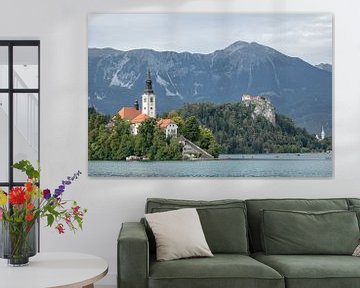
(308, 36)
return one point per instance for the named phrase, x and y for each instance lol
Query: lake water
(256, 165)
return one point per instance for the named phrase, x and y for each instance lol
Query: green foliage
(208, 142)
(146, 133)
(22, 207)
(26, 167)
(191, 129)
(116, 142)
(165, 149)
(227, 128)
(154, 145)
(237, 131)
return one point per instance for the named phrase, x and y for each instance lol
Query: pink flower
(1, 212)
(76, 210)
(60, 228)
(68, 219)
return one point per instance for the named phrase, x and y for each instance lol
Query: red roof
(140, 118)
(129, 113)
(163, 123)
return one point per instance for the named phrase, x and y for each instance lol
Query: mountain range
(324, 66)
(296, 88)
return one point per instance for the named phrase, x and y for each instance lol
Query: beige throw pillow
(178, 234)
(357, 251)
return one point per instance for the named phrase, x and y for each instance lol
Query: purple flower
(46, 194)
(58, 192)
(68, 181)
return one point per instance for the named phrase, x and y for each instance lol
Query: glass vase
(18, 242)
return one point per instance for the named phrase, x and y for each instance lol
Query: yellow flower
(3, 198)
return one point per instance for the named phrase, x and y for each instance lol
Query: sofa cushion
(254, 216)
(354, 205)
(356, 209)
(297, 232)
(223, 221)
(353, 201)
(222, 270)
(178, 234)
(313, 271)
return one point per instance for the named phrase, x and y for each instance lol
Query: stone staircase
(191, 151)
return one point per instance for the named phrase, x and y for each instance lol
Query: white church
(322, 134)
(149, 99)
(148, 110)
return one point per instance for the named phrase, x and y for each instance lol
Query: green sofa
(234, 230)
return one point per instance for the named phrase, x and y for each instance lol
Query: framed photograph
(210, 95)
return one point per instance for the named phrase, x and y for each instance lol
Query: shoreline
(237, 157)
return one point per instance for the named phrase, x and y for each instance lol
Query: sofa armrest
(133, 256)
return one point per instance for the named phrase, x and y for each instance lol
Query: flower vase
(18, 242)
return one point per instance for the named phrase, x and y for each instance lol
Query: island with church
(196, 131)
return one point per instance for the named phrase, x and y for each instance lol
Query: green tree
(146, 134)
(159, 145)
(191, 129)
(100, 148)
(208, 142)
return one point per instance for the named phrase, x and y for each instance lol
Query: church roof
(128, 113)
(140, 118)
(163, 123)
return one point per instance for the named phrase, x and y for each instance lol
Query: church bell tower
(148, 98)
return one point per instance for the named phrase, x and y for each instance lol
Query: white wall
(62, 28)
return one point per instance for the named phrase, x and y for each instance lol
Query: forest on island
(238, 132)
(226, 128)
(117, 143)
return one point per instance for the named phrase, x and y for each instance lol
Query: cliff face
(262, 107)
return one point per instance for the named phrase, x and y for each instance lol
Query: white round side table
(50, 270)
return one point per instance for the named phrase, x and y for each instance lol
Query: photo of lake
(267, 165)
(210, 95)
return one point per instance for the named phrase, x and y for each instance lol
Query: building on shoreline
(322, 134)
(148, 110)
(169, 126)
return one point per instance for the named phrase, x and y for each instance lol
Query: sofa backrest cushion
(223, 221)
(354, 205)
(353, 201)
(298, 232)
(256, 205)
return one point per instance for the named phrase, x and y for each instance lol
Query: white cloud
(308, 36)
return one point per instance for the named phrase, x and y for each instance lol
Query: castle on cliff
(263, 107)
